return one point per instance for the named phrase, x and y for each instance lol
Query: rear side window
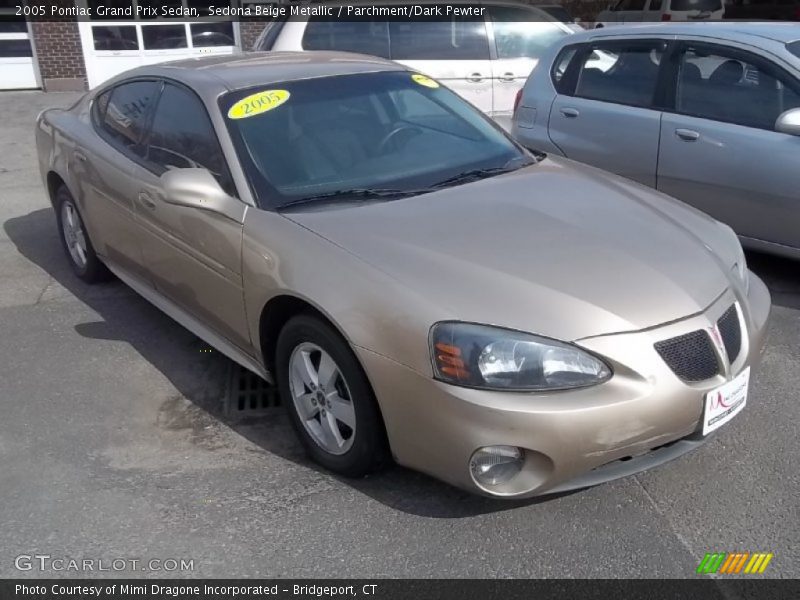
(622, 73)
(560, 66)
(692, 5)
(794, 48)
(456, 39)
(364, 37)
(183, 137)
(126, 112)
(520, 33)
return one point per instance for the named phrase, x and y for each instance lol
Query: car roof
(732, 30)
(215, 74)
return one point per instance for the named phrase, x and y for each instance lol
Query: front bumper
(642, 417)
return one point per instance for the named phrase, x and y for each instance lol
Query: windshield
(390, 131)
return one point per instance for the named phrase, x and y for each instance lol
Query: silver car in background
(708, 113)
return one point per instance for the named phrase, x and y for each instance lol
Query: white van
(485, 59)
(644, 11)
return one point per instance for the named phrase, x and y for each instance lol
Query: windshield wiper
(352, 194)
(476, 174)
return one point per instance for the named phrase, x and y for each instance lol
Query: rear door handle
(146, 199)
(509, 77)
(79, 156)
(475, 77)
(570, 113)
(687, 135)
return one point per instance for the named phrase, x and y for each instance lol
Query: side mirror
(197, 188)
(789, 122)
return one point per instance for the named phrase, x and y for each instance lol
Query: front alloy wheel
(328, 397)
(322, 398)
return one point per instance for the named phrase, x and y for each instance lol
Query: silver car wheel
(73, 233)
(322, 398)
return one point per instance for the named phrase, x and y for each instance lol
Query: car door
(607, 117)
(719, 150)
(454, 51)
(520, 37)
(105, 170)
(193, 256)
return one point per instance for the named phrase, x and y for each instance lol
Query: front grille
(731, 333)
(691, 356)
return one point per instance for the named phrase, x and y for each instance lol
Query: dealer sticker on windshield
(258, 103)
(423, 80)
(725, 402)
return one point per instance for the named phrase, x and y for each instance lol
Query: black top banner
(380, 589)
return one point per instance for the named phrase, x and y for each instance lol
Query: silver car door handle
(147, 200)
(475, 78)
(506, 77)
(687, 135)
(570, 113)
(79, 156)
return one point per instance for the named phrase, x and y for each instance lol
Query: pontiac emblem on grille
(716, 337)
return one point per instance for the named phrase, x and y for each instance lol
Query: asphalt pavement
(116, 442)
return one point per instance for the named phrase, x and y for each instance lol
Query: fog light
(495, 465)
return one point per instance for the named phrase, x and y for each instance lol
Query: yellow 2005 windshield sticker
(258, 103)
(426, 81)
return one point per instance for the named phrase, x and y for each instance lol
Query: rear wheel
(75, 239)
(328, 398)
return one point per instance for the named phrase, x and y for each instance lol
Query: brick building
(80, 52)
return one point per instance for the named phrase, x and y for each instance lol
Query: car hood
(557, 249)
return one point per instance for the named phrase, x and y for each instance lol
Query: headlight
(490, 357)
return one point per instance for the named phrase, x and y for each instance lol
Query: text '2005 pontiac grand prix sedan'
(417, 284)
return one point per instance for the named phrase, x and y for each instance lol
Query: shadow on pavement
(203, 377)
(781, 275)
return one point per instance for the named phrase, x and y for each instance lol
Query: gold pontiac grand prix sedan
(418, 285)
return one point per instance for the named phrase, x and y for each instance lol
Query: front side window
(126, 112)
(183, 137)
(623, 73)
(725, 86)
(385, 131)
(364, 37)
(456, 39)
(519, 34)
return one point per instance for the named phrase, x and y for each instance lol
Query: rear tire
(328, 398)
(75, 240)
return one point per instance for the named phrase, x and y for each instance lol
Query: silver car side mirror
(789, 122)
(197, 188)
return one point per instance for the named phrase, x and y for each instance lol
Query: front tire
(75, 239)
(328, 398)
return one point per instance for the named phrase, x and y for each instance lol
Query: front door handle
(79, 156)
(475, 77)
(146, 199)
(687, 135)
(570, 113)
(509, 77)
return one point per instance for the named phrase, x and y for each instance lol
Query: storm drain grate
(249, 394)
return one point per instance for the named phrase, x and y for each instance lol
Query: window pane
(114, 37)
(127, 111)
(794, 48)
(724, 88)
(205, 35)
(702, 5)
(161, 37)
(654, 5)
(182, 136)
(439, 40)
(13, 24)
(624, 74)
(516, 35)
(364, 37)
(15, 48)
(560, 66)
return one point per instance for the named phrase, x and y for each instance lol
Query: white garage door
(17, 70)
(113, 46)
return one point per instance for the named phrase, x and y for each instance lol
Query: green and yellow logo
(733, 563)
